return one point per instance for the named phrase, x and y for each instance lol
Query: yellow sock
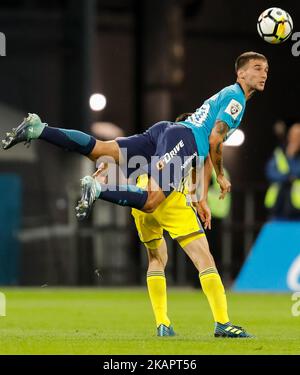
(214, 290)
(157, 288)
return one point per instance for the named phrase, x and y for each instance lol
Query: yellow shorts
(173, 215)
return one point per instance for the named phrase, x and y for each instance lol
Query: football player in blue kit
(200, 134)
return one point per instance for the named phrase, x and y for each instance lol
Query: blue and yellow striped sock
(157, 288)
(213, 288)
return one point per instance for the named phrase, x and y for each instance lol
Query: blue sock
(70, 140)
(133, 196)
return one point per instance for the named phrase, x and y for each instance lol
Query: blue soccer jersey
(227, 105)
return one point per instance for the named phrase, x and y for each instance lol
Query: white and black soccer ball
(275, 25)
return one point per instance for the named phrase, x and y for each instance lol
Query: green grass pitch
(120, 321)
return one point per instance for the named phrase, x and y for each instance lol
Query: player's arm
(201, 194)
(203, 208)
(216, 140)
(208, 167)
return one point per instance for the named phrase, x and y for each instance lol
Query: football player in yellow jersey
(181, 221)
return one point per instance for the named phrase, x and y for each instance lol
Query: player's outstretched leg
(198, 250)
(71, 140)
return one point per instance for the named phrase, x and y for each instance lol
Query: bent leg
(129, 195)
(123, 195)
(197, 249)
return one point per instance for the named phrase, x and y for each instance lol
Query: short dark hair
(245, 57)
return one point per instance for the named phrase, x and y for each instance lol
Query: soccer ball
(275, 25)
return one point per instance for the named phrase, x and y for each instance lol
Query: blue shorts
(166, 152)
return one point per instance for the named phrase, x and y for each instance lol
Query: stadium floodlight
(236, 139)
(97, 102)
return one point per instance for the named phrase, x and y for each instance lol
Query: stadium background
(152, 59)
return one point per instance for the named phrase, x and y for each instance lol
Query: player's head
(252, 70)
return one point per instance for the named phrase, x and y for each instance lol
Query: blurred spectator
(283, 171)
(280, 131)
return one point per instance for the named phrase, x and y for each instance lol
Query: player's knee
(148, 209)
(150, 205)
(155, 259)
(109, 149)
(153, 201)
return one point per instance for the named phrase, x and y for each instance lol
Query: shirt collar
(240, 87)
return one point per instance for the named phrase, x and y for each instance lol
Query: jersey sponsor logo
(160, 164)
(188, 161)
(169, 155)
(234, 108)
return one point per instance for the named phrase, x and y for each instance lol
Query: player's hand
(225, 186)
(102, 168)
(204, 213)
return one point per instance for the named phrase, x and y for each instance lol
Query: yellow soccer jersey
(173, 215)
